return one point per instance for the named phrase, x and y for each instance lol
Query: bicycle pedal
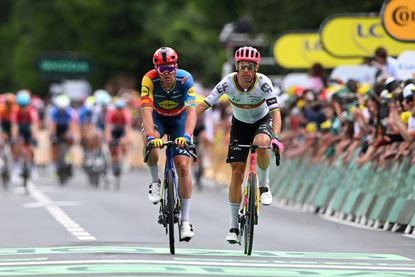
(185, 239)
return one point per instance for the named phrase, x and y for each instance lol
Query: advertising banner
(299, 49)
(360, 73)
(398, 19)
(406, 65)
(358, 36)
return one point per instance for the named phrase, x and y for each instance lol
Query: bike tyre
(250, 217)
(170, 209)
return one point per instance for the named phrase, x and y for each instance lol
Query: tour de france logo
(398, 19)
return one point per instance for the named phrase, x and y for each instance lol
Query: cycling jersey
(6, 111)
(24, 116)
(5, 117)
(62, 119)
(118, 118)
(85, 115)
(168, 103)
(99, 114)
(248, 105)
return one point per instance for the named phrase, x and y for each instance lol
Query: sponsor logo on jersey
(168, 105)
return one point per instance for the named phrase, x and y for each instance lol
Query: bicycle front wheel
(170, 209)
(250, 214)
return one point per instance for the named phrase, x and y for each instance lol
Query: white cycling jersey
(248, 105)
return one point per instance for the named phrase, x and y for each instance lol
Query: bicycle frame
(250, 205)
(169, 212)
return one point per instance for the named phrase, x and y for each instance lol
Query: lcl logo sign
(398, 19)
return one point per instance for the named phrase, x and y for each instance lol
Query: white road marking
(202, 263)
(60, 216)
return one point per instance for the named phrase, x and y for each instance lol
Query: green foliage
(121, 36)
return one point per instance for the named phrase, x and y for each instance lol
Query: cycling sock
(154, 171)
(185, 209)
(234, 210)
(263, 175)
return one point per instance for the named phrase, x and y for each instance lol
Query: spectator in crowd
(317, 78)
(386, 65)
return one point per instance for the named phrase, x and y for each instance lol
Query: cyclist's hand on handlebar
(276, 143)
(155, 142)
(186, 139)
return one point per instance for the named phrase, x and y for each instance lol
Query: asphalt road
(79, 230)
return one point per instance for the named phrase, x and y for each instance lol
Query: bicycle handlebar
(253, 147)
(190, 149)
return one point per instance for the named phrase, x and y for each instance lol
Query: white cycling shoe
(186, 231)
(266, 196)
(233, 236)
(154, 192)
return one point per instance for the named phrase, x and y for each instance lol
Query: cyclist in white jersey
(256, 119)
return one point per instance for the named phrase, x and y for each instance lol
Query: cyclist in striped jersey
(256, 119)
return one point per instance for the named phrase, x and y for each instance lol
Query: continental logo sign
(358, 36)
(302, 49)
(398, 19)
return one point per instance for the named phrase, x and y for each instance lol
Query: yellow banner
(358, 36)
(398, 19)
(301, 50)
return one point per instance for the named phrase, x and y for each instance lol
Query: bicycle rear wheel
(170, 209)
(250, 214)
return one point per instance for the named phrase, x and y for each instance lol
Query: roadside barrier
(378, 194)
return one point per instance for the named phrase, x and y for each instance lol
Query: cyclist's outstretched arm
(276, 121)
(201, 108)
(148, 121)
(190, 120)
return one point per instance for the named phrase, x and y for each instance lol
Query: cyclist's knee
(262, 139)
(182, 168)
(238, 171)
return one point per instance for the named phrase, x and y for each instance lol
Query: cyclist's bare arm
(276, 121)
(201, 108)
(148, 120)
(190, 120)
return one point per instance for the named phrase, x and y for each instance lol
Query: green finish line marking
(22, 260)
(196, 270)
(199, 252)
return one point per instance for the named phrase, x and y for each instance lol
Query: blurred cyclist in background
(256, 119)
(86, 127)
(24, 126)
(63, 124)
(117, 133)
(168, 106)
(7, 108)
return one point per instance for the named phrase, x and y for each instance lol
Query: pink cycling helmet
(247, 53)
(165, 55)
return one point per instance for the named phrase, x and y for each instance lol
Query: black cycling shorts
(245, 134)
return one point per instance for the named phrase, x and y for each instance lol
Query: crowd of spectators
(329, 118)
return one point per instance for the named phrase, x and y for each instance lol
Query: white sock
(234, 209)
(263, 175)
(185, 209)
(154, 171)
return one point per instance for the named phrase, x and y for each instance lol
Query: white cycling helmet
(62, 101)
(102, 97)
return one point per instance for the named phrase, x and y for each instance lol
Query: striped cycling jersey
(168, 103)
(248, 105)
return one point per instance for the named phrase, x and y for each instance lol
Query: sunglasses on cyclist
(165, 69)
(243, 65)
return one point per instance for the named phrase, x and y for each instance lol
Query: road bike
(63, 163)
(248, 215)
(5, 163)
(116, 161)
(169, 212)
